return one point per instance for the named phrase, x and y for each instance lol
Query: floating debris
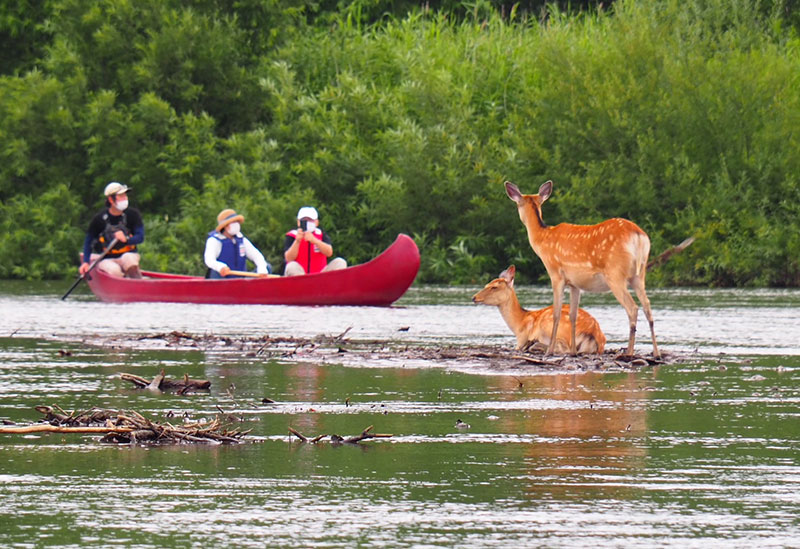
(339, 349)
(336, 439)
(161, 383)
(129, 427)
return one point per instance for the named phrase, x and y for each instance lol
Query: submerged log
(306, 439)
(162, 383)
(336, 439)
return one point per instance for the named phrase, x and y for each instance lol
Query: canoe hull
(379, 282)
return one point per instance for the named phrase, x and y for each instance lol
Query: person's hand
(121, 236)
(301, 235)
(225, 271)
(83, 269)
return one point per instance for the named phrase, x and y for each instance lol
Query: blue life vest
(232, 253)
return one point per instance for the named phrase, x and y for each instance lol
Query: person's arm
(253, 254)
(92, 233)
(87, 253)
(323, 244)
(136, 228)
(138, 233)
(213, 249)
(291, 249)
(87, 248)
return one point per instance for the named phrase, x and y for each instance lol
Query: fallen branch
(365, 434)
(336, 439)
(47, 428)
(540, 362)
(306, 439)
(161, 383)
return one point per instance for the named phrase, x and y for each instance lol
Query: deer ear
(545, 190)
(513, 192)
(508, 275)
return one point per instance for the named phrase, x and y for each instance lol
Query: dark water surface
(690, 455)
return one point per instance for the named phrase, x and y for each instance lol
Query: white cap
(115, 188)
(309, 212)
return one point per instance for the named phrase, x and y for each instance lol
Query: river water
(701, 452)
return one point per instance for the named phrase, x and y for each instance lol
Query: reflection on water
(683, 456)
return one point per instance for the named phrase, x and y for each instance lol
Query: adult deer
(594, 258)
(534, 327)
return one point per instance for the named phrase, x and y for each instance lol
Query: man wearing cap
(115, 220)
(228, 250)
(307, 249)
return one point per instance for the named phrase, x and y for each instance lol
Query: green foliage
(23, 33)
(392, 117)
(39, 234)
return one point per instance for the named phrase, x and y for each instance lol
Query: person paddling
(228, 250)
(115, 221)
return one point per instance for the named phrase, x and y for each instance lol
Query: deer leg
(620, 291)
(638, 286)
(574, 303)
(558, 297)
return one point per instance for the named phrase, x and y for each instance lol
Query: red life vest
(308, 255)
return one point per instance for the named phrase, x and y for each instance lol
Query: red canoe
(380, 282)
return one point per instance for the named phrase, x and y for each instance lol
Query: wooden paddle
(92, 266)
(253, 275)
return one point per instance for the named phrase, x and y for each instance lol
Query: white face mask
(233, 228)
(121, 205)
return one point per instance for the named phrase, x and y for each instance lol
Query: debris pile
(129, 427)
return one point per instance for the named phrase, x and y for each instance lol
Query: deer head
(529, 206)
(499, 290)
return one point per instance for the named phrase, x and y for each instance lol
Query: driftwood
(161, 383)
(306, 439)
(47, 428)
(336, 439)
(128, 427)
(55, 415)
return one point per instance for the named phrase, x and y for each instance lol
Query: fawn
(536, 327)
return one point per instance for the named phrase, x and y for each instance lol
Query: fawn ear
(545, 190)
(508, 275)
(513, 192)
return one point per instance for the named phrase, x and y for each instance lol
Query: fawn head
(529, 206)
(499, 290)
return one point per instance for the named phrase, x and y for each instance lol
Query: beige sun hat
(226, 217)
(115, 188)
